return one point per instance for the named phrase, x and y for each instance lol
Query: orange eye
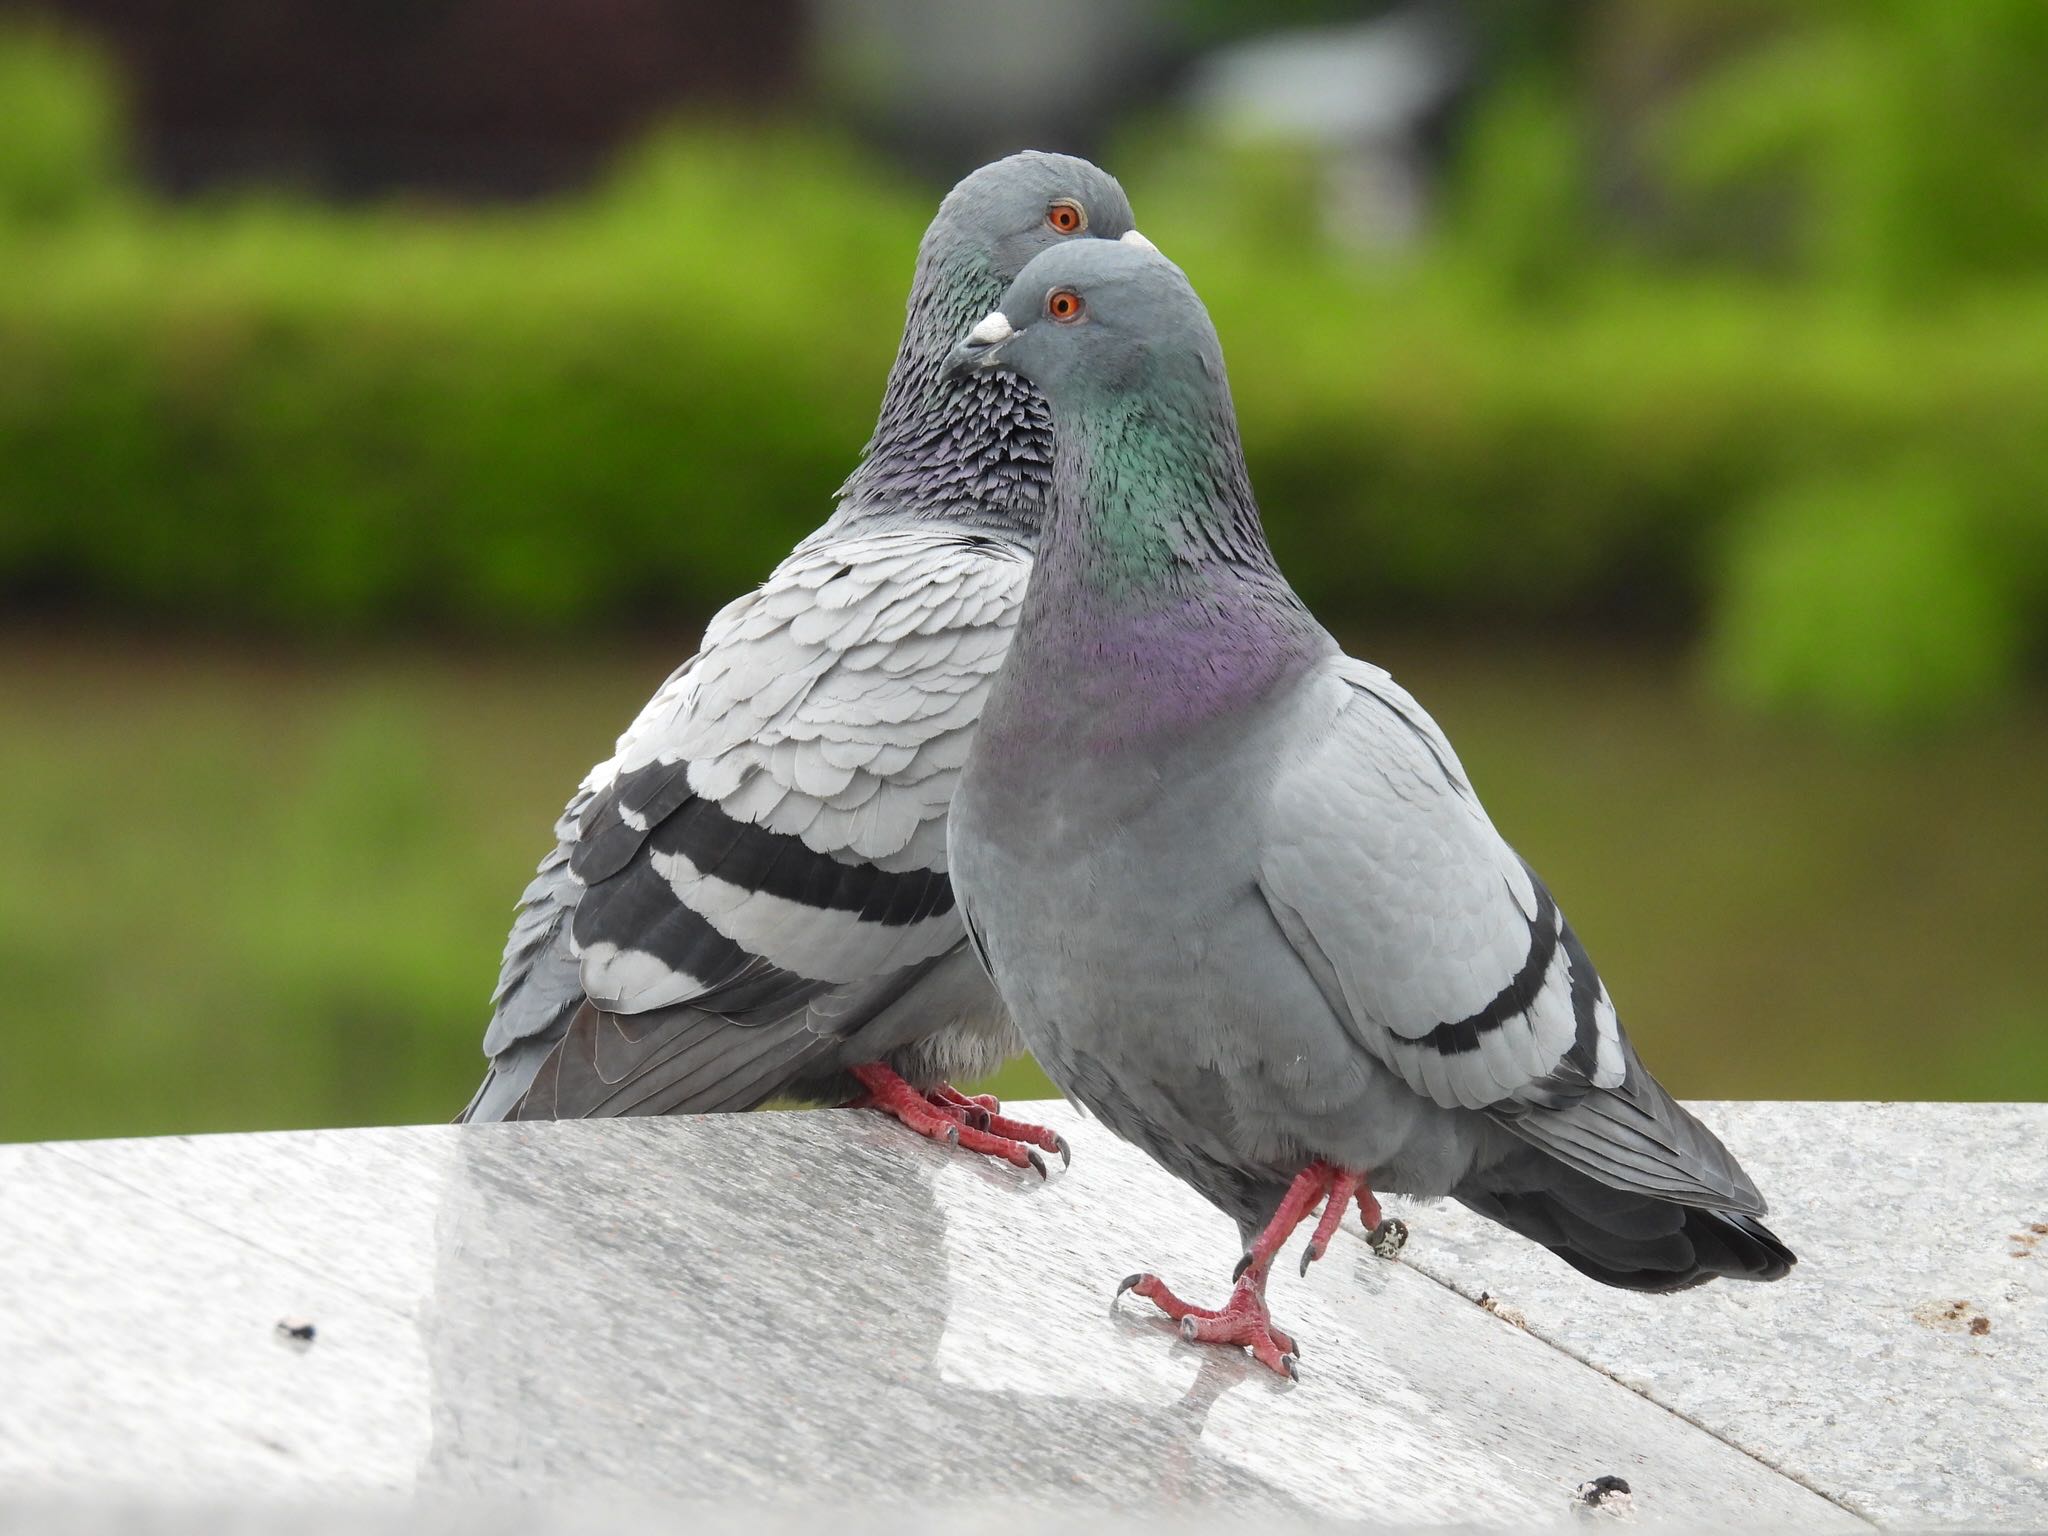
(1065, 306)
(1066, 216)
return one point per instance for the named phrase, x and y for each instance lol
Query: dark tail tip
(1639, 1243)
(1748, 1250)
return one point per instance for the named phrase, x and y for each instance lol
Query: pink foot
(946, 1114)
(982, 1111)
(1244, 1318)
(1241, 1320)
(946, 1096)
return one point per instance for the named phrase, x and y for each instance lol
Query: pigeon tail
(1634, 1241)
(668, 1061)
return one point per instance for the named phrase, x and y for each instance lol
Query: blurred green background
(1660, 387)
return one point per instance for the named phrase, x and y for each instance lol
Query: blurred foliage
(1816, 561)
(61, 144)
(1678, 412)
(259, 890)
(1904, 139)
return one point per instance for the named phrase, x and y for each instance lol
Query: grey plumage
(1235, 885)
(749, 899)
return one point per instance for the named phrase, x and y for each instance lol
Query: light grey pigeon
(1235, 887)
(749, 899)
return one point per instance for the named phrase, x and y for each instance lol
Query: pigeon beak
(1132, 237)
(979, 348)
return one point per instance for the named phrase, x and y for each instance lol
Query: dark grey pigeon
(1237, 890)
(749, 899)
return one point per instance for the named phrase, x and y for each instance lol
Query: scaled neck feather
(975, 452)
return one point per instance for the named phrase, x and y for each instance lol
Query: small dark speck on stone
(1607, 1495)
(296, 1330)
(1980, 1325)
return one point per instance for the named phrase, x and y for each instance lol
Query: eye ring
(1064, 216)
(1063, 306)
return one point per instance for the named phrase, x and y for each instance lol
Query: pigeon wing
(772, 826)
(1448, 960)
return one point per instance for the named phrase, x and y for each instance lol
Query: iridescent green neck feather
(1155, 605)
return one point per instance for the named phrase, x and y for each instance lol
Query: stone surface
(1867, 1373)
(800, 1308)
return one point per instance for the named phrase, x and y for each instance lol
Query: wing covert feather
(1449, 961)
(774, 820)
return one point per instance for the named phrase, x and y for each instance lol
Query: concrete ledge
(1902, 1369)
(815, 1309)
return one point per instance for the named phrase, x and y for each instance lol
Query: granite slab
(1902, 1368)
(770, 1311)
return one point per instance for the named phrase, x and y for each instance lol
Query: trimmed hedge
(274, 418)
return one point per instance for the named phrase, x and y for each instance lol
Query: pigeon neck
(973, 452)
(1155, 604)
(1150, 502)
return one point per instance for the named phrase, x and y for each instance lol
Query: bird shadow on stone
(697, 1311)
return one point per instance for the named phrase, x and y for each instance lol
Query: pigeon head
(976, 450)
(996, 220)
(1100, 318)
(1148, 469)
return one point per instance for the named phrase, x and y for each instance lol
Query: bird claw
(971, 1110)
(1342, 1187)
(969, 1124)
(1243, 1320)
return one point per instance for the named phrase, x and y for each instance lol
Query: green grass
(254, 891)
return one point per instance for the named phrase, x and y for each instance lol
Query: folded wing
(768, 840)
(1450, 963)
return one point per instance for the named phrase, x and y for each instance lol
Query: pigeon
(749, 899)
(1237, 890)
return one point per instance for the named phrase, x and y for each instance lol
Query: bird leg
(1342, 1187)
(1385, 1235)
(947, 1115)
(1244, 1318)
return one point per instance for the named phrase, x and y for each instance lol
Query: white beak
(1132, 237)
(992, 328)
